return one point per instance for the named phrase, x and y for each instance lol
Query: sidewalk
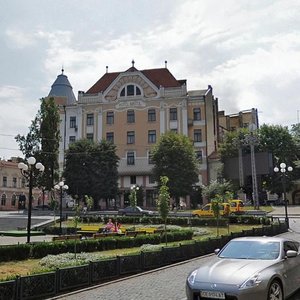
(12, 240)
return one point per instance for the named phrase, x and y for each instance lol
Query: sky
(247, 50)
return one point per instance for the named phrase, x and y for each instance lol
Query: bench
(62, 238)
(134, 233)
(89, 229)
(131, 233)
(108, 234)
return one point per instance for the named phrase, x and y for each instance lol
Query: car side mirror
(291, 253)
(217, 251)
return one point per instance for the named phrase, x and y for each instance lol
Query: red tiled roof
(103, 83)
(159, 77)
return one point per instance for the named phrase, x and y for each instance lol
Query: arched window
(13, 199)
(130, 90)
(3, 199)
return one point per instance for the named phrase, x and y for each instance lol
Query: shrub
(15, 252)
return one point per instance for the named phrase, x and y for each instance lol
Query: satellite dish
(252, 127)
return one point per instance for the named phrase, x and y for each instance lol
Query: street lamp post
(61, 186)
(252, 140)
(283, 170)
(27, 172)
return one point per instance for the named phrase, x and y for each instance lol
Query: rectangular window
(150, 161)
(110, 117)
(72, 122)
(4, 183)
(23, 182)
(13, 200)
(90, 136)
(151, 179)
(72, 139)
(3, 199)
(199, 156)
(133, 179)
(130, 116)
(151, 136)
(130, 137)
(110, 137)
(14, 182)
(197, 135)
(130, 158)
(90, 119)
(151, 115)
(173, 114)
(197, 114)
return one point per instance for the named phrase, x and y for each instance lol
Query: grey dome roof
(62, 88)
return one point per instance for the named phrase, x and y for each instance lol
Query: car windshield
(251, 250)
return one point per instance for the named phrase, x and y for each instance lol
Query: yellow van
(207, 211)
(236, 206)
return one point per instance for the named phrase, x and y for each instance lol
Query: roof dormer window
(130, 90)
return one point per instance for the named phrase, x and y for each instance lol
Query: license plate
(212, 294)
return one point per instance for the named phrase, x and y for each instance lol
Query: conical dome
(62, 88)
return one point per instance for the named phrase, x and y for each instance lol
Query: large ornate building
(132, 109)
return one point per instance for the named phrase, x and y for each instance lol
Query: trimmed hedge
(39, 250)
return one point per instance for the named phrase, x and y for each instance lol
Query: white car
(248, 268)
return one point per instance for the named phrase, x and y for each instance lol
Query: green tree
(89, 202)
(30, 144)
(275, 139)
(42, 142)
(50, 135)
(174, 156)
(295, 132)
(279, 141)
(92, 169)
(220, 190)
(132, 196)
(163, 202)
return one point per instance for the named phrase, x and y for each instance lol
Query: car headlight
(192, 277)
(251, 282)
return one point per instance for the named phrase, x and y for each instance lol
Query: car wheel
(275, 291)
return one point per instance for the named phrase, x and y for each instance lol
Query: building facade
(132, 109)
(233, 122)
(13, 187)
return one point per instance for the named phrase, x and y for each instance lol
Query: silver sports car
(248, 268)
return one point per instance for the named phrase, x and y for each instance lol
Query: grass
(26, 267)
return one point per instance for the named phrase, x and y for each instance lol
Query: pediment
(147, 88)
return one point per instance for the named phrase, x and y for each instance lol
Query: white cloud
(17, 113)
(19, 39)
(247, 50)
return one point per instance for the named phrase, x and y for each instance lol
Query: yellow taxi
(207, 211)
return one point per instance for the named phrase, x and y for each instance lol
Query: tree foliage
(42, 142)
(163, 201)
(275, 139)
(92, 169)
(133, 197)
(220, 190)
(174, 157)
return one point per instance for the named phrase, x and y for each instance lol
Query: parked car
(134, 211)
(260, 268)
(207, 211)
(42, 207)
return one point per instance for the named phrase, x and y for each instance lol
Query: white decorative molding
(130, 104)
